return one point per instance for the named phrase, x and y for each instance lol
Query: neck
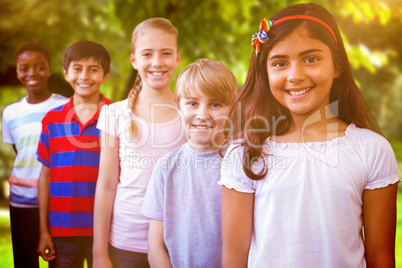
(93, 99)
(212, 146)
(34, 98)
(202, 148)
(313, 120)
(149, 96)
(322, 125)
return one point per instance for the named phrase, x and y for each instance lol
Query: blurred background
(216, 29)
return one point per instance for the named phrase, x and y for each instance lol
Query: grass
(6, 249)
(6, 254)
(398, 246)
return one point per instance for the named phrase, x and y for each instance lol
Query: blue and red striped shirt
(71, 151)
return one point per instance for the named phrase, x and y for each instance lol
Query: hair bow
(265, 26)
(261, 36)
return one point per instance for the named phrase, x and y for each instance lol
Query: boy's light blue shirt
(184, 194)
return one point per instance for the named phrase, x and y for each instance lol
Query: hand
(46, 247)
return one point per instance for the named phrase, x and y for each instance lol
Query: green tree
(217, 29)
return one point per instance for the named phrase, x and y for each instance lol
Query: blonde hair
(210, 78)
(152, 23)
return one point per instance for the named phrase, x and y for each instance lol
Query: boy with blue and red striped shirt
(69, 150)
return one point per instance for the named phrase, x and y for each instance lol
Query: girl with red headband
(308, 178)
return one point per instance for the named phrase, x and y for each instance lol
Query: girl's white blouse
(308, 208)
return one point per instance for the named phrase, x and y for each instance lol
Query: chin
(201, 143)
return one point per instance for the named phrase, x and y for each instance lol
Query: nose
(157, 60)
(296, 73)
(203, 112)
(32, 71)
(83, 74)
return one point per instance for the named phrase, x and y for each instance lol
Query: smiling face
(33, 71)
(156, 58)
(85, 76)
(301, 72)
(205, 120)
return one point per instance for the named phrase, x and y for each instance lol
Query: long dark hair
(255, 106)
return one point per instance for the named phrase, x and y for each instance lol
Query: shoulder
(377, 158)
(233, 157)
(56, 101)
(59, 97)
(372, 148)
(13, 107)
(116, 108)
(367, 139)
(232, 172)
(55, 115)
(176, 153)
(172, 159)
(235, 147)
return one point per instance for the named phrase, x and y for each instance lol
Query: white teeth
(295, 93)
(84, 85)
(157, 73)
(202, 127)
(32, 82)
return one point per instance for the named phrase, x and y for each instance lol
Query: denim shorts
(127, 259)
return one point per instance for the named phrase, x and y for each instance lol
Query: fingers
(46, 251)
(50, 253)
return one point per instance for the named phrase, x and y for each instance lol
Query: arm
(237, 224)
(104, 198)
(6, 135)
(379, 220)
(45, 246)
(157, 252)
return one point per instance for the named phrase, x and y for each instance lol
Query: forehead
(155, 39)
(32, 56)
(298, 41)
(91, 61)
(197, 95)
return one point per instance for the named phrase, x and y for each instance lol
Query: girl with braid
(135, 133)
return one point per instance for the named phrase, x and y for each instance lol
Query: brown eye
(192, 103)
(311, 59)
(279, 64)
(215, 105)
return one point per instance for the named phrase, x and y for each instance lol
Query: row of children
(305, 164)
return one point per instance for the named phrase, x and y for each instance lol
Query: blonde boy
(183, 199)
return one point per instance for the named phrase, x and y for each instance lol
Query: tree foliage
(216, 29)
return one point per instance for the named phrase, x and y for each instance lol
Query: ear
(106, 77)
(133, 62)
(178, 60)
(65, 74)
